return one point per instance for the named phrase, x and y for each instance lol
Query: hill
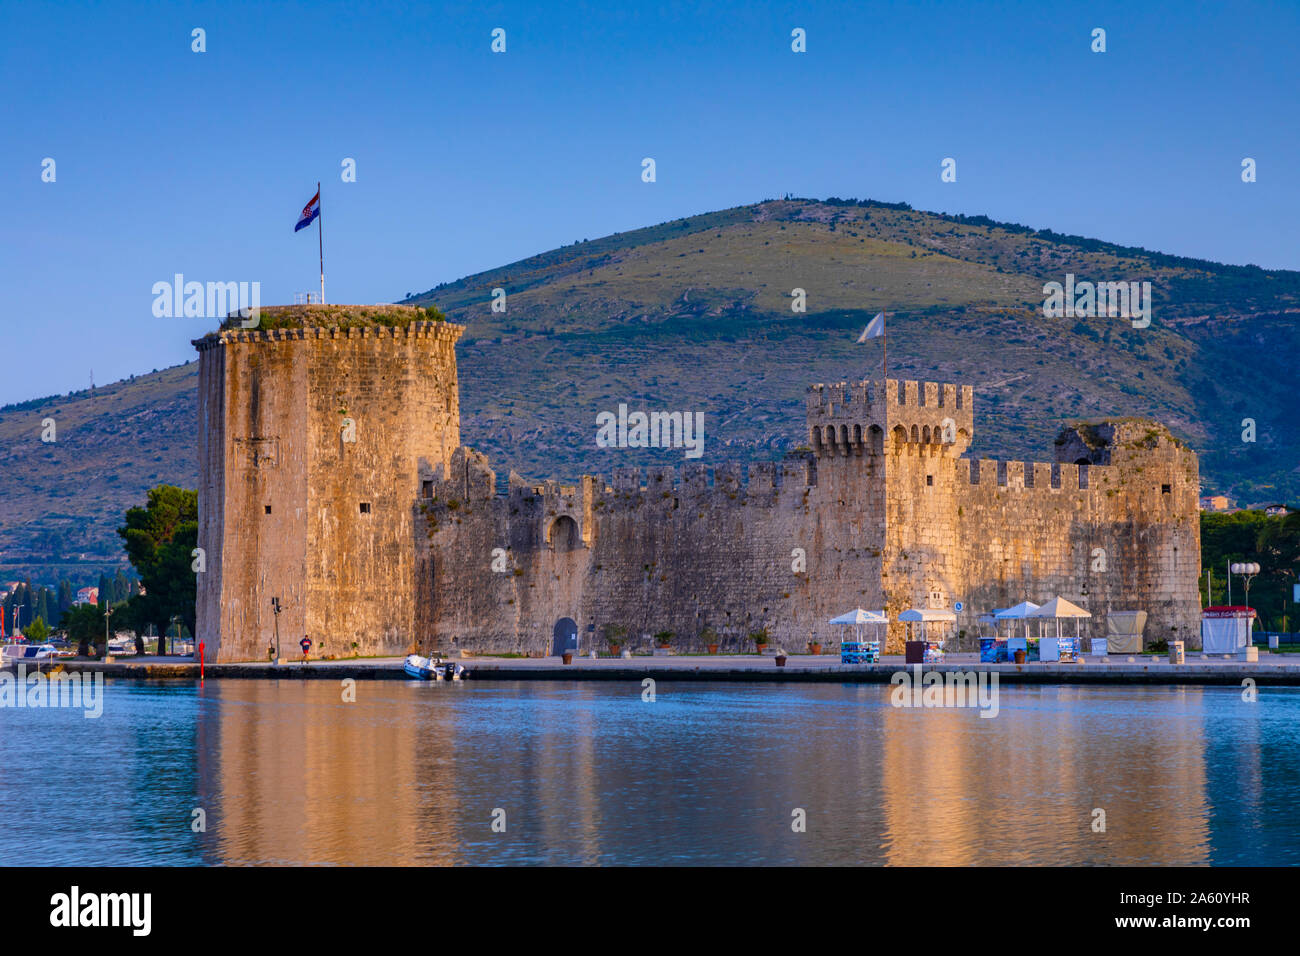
(695, 315)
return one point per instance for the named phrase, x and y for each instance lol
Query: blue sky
(173, 161)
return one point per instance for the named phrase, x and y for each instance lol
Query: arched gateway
(565, 636)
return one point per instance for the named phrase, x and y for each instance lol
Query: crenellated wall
(903, 524)
(403, 539)
(990, 534)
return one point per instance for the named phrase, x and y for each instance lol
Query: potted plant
(780, 657)
(567, 656)
(759, 638)
(710, 637)
(663, 639)
(815, 647)
(614, 638)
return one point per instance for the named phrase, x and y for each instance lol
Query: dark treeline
(51, 605)
(1273, 544)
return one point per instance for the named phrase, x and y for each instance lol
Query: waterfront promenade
(1270, 669)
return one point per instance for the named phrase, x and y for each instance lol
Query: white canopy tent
(926, 616)
(860, 616)
(1020, 612)
(857, 618)
(854, 652)
(1059, 608)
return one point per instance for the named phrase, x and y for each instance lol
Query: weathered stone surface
(881, 512)
(885, 511)
(273, 409)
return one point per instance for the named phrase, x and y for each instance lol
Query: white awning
(1017, 613)
(860, 616)
(927, 614)
(1059, 607)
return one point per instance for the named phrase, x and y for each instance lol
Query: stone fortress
(333, 478)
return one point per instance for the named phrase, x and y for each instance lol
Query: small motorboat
(11, 654)
(435, 668)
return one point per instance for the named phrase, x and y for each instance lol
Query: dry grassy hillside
(695, 315)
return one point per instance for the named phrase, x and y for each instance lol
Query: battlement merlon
(872, 416)
(418, 330)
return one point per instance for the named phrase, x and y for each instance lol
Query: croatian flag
(875, 328)
(309, 212)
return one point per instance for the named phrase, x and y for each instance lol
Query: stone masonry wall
(884, 510)
(337, 545)
(402, 539)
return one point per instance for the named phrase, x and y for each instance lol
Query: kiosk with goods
(856, 650)
(1059, 648)
(1226, 629)
(1026, 643)
(927, 631)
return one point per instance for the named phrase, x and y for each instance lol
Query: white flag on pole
(875, 328)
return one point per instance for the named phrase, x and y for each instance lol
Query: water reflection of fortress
(333, 477)
(307, 779)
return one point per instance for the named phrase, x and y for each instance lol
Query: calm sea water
(288, 773)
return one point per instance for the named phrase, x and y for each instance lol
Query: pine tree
(25, 611)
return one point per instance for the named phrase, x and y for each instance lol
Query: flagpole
(884, 346)
(320, 237)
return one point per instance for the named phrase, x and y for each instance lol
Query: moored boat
(425, 668)
(11, 654)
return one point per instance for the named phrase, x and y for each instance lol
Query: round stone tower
(318, 430)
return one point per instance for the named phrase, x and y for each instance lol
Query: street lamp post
(275, 606)
(1247, 570)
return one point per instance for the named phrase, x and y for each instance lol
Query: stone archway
(565, 534)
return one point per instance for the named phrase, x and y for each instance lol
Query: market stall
(856, 650)
(1024, 642)
(993, 648)
(1059, 648)
(928, 629)
(1226, 629)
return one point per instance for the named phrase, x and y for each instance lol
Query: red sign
(1225, 611)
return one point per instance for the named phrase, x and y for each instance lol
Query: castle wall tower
(895, 442)
(316, 441)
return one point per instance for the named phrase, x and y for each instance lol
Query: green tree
(121, 588)
(1273, 543)
(24, 597)
(134, 614)
(1278, 545)
(38, 631)
(159, 539)
(84, 623)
